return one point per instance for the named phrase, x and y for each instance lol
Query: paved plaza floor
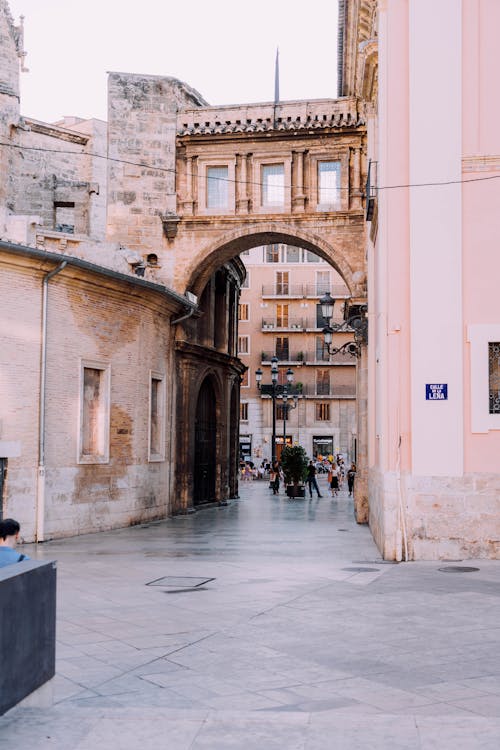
(301, 638)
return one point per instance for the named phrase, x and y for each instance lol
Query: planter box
(298, 490)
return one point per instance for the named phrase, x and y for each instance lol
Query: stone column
(187, 205)
(298, 196)
(241, 184)
(361, 482)
(357, 193)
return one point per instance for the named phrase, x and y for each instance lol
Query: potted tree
(294, 464)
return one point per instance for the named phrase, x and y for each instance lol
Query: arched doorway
(205, 445)
(234, 441)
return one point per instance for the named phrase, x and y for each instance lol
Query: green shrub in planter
(294, 463)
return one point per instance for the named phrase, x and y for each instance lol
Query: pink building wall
(434, 481)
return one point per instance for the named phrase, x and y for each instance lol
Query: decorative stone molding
(170, 222)
(481, 163)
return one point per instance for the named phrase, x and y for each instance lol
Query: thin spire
(277, 77)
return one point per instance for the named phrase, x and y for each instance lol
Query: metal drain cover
(458, 569)
(362, 570)
(179, 582)
(342, 529)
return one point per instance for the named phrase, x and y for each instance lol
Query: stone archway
(230, 244)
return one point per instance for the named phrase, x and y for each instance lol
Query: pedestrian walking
(275, 478)
(9, 536)
(351, 474)
(333, 478)
(311, 480)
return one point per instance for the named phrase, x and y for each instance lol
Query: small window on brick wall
(244, 411)
(94, 419)
(64, 217)
(156, 418)
(494, 376)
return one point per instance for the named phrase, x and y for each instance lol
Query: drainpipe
(40, 488)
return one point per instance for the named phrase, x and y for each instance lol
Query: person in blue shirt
(9, 535)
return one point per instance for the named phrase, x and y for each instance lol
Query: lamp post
(270, 390)
(356, 322)
(286, 405)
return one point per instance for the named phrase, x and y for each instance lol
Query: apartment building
(280, 316)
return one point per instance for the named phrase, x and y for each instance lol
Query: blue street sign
(436, 391)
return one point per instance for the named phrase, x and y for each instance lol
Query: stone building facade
(280, 315)
(424, 72)
(117, 228)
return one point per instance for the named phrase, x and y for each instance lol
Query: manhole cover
(342, 529)
(179, 582)
(458, 569)
(362, 570)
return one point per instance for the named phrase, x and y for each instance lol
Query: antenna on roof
(277, 77)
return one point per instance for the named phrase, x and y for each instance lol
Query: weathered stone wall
(96, 320)
(446, 518)
(142, 118)
(9, 108)
(54, 166)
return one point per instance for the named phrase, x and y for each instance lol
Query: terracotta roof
(261, 125)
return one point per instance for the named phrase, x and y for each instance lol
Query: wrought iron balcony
(283, 324)
(339, 291)
(284, 357)
(283, 289)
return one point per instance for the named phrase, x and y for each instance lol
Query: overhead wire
(378, 189)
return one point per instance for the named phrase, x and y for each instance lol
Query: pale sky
(223, 48)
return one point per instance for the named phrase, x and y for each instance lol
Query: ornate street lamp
(274, 390)
(356, 322)
(270, 390)
(286, 405)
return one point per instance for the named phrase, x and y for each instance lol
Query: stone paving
(304, 639)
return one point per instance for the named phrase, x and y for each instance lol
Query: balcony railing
(283, 357)
(318, 290)
(283, 324)
(322, 357)
(305, 291)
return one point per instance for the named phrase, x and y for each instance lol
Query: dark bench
(27, 629)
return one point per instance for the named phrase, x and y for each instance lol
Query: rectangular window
(282, 348)
(321, 350)
(292, 254)
(244, 380)
(272, 253)
(322, 282)
(312, 257)
(321, 322)
(94, 414)
(323, 383)
(282, 316)
(243, 311)
(329, 183)
(243, 345)
(217, 187)
(282, 282)
(156, 418)
(280, 412)
(273, 185)
(244, 411)
(494, 376)
(64, 217)
(322, 412)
